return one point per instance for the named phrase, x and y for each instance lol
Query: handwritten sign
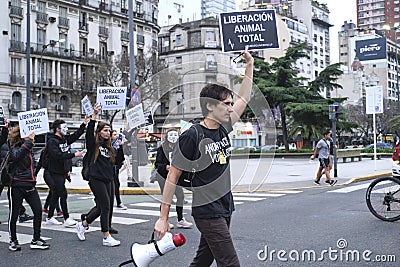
(87, 106)
(255, 28)
(36, 121)
(135, 116)
(111, 98)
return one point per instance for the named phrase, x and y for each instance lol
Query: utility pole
(333, 111)
(28, 55)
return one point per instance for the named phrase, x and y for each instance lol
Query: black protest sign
(255, 28)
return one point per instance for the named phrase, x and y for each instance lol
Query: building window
(178, 41)
(16, 100)
(41, 38)
(16, 77)
(210, 36)
(83, 46)
(178, 60)
(103, 51)
(64, 104)
(41, 6)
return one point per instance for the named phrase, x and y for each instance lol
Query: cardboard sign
(255, 28)
(2, 121)
(135, 116)
(87, 106)
(111, 98)
(36, 121)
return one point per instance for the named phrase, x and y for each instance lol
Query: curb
(142, 191)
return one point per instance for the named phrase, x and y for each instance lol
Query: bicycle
(383, 198)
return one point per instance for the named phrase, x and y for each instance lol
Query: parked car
(269, 148)
(246, 149)
(379, 145)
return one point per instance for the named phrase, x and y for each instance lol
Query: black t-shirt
(212, 196)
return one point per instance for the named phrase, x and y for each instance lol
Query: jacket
(21, 159)
(162, 160)
(59, 151)
(102, 168)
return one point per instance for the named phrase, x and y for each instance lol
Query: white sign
(36, 121)
(111, 98)
(87, 106)
(2, 121)
(374, 99)
(135, 116)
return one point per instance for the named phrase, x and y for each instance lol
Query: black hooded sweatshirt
(22, 165)
(59, 150)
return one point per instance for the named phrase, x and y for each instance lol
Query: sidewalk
(253, 175)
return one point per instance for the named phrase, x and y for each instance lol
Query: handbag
(4, 169)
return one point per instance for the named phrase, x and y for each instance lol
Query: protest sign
(255, 28)
(135, 116)
(36, 121)
(87, 106)
(2, 121)
(111, 98)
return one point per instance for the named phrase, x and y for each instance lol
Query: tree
(327, 80)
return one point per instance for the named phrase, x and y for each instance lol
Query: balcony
(41, 17)
(16, 11)
(63, 22)
(138, 15)
(140, 39)
(17, 79)
(17, 46)
(125, 35)
(103, 31)
(83, 27)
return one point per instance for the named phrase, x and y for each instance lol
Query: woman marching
(101, 176)
(22, 187)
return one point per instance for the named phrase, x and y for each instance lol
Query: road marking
(248, 198)
(257, 195)
(286, 191)
(349, 189)
(22, 238)
(58, 227)
(115, 219)
(141, 212)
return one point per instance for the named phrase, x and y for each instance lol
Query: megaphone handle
(152, 238)
(155, 244)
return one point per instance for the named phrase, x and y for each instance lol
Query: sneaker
(109, 241)
(25, 217)
(184, 224)
(171, 226)
(80, 231)
(14, 246)
(122, 206)
(39, 244)
(52, 221)
(317, 183)
(46, 211)
(70, 222)
(60, 214)
(112, 231)
(332, 182)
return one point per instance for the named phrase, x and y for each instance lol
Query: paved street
(300, 217)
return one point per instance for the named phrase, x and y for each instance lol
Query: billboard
(255, 28)
(371, 49)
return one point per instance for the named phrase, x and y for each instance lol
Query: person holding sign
(212, 204)
(102, 158)
(22, 187)
(58, 145)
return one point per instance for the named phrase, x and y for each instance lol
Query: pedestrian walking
(22, 187)
(117, 144)
(162, 165)
(322, 150)
(212, 204)
(101, 176)
(127, 152)
(60, 164)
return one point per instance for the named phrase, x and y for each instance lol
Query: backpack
(86, 161)
(186, 178)
(44, 156)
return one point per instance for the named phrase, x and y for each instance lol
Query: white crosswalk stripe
(258, 195)
(352, 188)
(22, 238)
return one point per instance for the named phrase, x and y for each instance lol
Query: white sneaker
(109, 241)
(171, 226)
(80, 231)
(184, 224)
(122, 206)
(52, 221)
(70, 222)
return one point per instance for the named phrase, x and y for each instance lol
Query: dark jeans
(22, 209)
(17, 195)
(180, 197)
(102, 192)
(58, 192)
(117, 185)
(215, 243)
(50, 183)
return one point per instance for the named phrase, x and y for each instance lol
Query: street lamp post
(396, 27)
(52, 44)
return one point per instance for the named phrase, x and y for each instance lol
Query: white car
(396, 169)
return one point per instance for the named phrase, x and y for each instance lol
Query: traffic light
(333, 110)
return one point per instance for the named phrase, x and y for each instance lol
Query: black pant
(215, 243)
(117, 186)
(22, 209)
(180, 197)
(58, 192)
(102, 192)
(17, 195)
(50, 183)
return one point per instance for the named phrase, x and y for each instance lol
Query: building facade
(69, 40)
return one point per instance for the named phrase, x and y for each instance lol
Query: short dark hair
(57, 124)
(328, 131)
(211, 94)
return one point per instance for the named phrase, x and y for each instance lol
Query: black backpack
(86, 161)
(44, 157)
(186, 178)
